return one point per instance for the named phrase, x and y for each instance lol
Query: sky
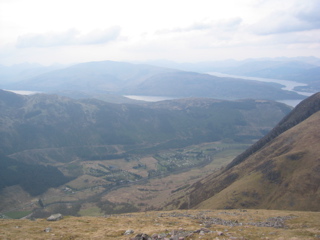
(72, 31)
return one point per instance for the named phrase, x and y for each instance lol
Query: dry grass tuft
(298, 225)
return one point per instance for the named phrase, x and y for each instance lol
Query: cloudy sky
(71, 31)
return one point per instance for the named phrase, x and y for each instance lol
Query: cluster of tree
(35, 179)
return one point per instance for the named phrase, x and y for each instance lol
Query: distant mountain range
(280, 171)
(299, 69)
(19, 72)
(107, 78)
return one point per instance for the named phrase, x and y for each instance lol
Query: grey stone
(55, 217)
(141, 236)
(220, 233)
(128, 232)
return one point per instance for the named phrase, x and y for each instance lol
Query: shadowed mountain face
(47, 121)
(41, 132)
(280, 171)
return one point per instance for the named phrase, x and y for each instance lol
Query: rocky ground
(175, 225)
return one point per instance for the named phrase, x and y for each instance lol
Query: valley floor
(144, 193)
(187, 224)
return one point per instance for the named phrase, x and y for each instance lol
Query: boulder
(141, 236)
(220, 233)
(128, 232)
(55, 217)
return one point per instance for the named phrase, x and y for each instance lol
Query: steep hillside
(281, 171)
(304, 110)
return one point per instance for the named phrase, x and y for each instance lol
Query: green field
(17, 214)
(92, 211)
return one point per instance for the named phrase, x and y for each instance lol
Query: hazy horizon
(68, 32)
(157, 62)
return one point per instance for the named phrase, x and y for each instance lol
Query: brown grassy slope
(301, 112)
(283, 174)
(230, 224)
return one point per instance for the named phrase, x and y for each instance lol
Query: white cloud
(310, 14)
(187, 30)
(231, 24)
(70, 37)
(100, 36)
(294, 17)
(280, 22)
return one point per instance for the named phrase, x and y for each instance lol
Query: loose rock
(220, 233)
(141, 236)
(55, 217)
(128, 232)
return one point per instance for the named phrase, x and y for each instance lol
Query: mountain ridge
(301, 112)
(46, 114)
(281, 171)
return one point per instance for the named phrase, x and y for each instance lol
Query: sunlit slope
(284, 175)
(281, 171)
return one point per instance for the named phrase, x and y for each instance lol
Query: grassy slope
(283, 175)
(154, 192)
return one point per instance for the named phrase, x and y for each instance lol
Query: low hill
(94, 79)
(104, 76)
(298, 69)
(288, 69)
(281, 171)
(189, 84)
(19, 72)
